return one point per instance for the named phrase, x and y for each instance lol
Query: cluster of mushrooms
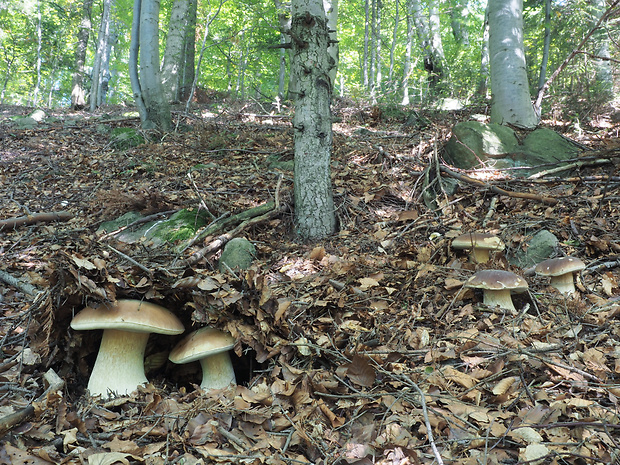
(119, 368)
(499, 285)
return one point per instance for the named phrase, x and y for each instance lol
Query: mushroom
(481, 244)
(119, 367)
(210, 346)
(561, 272)
(497, 286)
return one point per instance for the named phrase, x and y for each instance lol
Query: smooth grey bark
(174, 54)
(365, 64)
(511, 101)
(37, 86)
(542, 76)
(485, 72)
(100, 55)
(407, 66)
(186, 80)
(78, 93)
(331, 14)
(156, 108)
(134, 50)
(312, 122)
(394, 40)
(284, 19)
(427, 29)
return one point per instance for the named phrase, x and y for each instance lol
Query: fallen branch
(8, 422)
(25, 288)
(498, 190)
(12, 223)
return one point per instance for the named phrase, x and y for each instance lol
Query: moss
(181, 226)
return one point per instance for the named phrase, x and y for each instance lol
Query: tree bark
(331, 14)
(312, 123)
(102, 46)
(511, 101)
(458, 22)
(78, 93)
(174, 61)
(407, 67)
(158, 114)
(483, 84)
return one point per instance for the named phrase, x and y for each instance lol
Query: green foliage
(241, 58)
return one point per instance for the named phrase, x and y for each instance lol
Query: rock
(37, 115)
(478, 145)
(541, 246)
(237, 254)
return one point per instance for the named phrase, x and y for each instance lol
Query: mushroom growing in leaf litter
(480, 244)
(210, 346)
(498, 285)
(561, 272)
(119, 368)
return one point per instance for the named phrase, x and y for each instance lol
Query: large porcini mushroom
(210, 346)
(498, 285)
(119, 368)
(561, 272)
(479, 244)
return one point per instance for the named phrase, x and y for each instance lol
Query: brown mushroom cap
(480, 244)
(200, 344)
(129, 315)
(559, 266)
(497, 280)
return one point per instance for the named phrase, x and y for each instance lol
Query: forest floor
(337, 340)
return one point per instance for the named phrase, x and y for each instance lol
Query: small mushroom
(561, 272)
(119, 367)
(480, 245)
(498, 285)
(210, 346)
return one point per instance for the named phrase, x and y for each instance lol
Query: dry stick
(570, 166)
(498, 190)
(12, 223)
(23, 287)
(131, 260)
(564, 64)
(144, 219)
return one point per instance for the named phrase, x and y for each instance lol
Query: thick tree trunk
(189, 54)
(427, 28)
(174, 59)
(458, 22)
(511, 101)
(78, 93)
(312, 123)
(157, 107)
(602, 64)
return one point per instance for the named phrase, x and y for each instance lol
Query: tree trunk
(407, 67)
(174, 61)
(511, 101)
(284, 19)
(393, 46)
(134, 50)
(483, 84)
(78, 93)
(365, 74)
(542, 77)
(331, 14)
(427, 28)
(102, 46)
(458, 22)
(37, 86)
(602, 63)
(157, 107)
(188, 70)
(312, 123)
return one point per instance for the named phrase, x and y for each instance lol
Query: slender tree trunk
(365, 63)
(312, 122)
(134, 51)
(602, 64)
(427, 28)
(393, 46)
(458, 22)
(408, 48)
(331, 14)
(102, 44)
(78, 93)
(373, 45)
(440, 67)
(189, 54)
(35, 98)
(483, 84)
(158, 114)
(378, 79)
(284, 19)
(511, 101)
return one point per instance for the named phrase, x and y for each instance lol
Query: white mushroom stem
(217, 371)
(501, 298)
(119, 367)
(563, 283)
(479, 255)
